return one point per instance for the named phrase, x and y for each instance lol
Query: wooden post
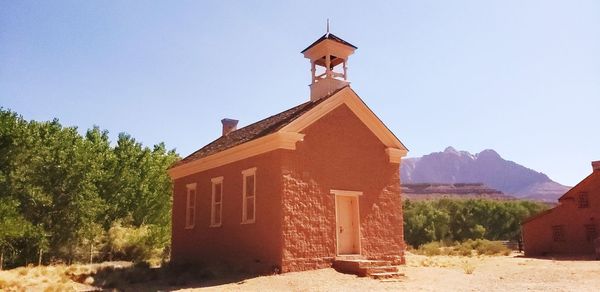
(91, 253)
(328, 66)
(40, 258)
(313, 70)
(1, 259)
(345, 70)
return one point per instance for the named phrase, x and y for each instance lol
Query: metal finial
(327, 25)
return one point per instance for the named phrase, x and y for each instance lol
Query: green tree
(61, 192)
(460, 220)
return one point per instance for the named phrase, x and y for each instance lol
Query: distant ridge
(426, 191)
(488, 167)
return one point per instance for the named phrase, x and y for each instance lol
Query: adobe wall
(537, 233)
(339, 152)
(240, 247)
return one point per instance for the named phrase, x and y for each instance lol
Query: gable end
(287, 136)
(348, 97)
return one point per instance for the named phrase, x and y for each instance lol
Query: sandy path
(441, 273)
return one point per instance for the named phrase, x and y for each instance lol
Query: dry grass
(466, 248)
(45, 278)
(109, 275)
(50, 278)
(468, 267)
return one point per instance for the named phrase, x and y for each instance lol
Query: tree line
(68, 197)
(455, 220)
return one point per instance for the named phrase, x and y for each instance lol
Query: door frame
(344, 193)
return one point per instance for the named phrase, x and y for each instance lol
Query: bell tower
(329, 64)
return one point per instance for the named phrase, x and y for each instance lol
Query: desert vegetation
(67, 197)
(112, 275)
(467, 248)
(453, 221)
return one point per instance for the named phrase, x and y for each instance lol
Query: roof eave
(329, 36)
(274, 141)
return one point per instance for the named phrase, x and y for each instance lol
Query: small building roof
(329, 36)
(576, 188)
(536, 216)
(253, 131)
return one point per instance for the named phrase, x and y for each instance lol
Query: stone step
(363, 272)
(387, 275)
(350, 257)
(392, 280)
(362, 263)
(358, 267)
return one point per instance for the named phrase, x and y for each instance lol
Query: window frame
(245, 218)
(214, 182)
(591, 232)
(558, 233)
(190, 211)
(583, 200)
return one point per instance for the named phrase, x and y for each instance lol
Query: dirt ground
(438, 273)
(443, 273)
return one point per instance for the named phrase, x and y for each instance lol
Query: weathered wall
(339, 152)
(537, 233)
(252, 247)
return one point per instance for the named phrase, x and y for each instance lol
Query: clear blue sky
(521, 77)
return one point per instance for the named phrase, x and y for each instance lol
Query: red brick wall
(251, 247)
(537, 233)
(339, 152)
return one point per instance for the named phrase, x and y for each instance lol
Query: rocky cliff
(426, 191)
(487, 167)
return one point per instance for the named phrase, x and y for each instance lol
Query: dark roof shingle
(253, 131)
(332, 37)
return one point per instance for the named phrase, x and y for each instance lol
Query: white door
(347, 225)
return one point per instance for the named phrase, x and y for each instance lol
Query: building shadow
(141, 277)
(561, 257)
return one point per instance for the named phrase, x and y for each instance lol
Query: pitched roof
(533, 217)
(587, 180)
(253, 131)
(329, 36)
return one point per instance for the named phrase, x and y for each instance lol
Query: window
(590, 232)
(216, 209)
(558, 233)
(190, 206)
(583, 200)
(249, 196)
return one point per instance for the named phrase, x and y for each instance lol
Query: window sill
(216, 225)
(189, 227)
(248, 222)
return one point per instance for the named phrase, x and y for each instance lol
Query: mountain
(487, 167)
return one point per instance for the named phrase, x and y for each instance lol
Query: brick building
(298, 189)
(570, 227)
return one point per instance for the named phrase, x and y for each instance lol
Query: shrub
(463, 250)
(58, 287)
(132, 243)
(468, 267)
(5, 284)
(466, 248)
(430, 249)
(486, 247)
